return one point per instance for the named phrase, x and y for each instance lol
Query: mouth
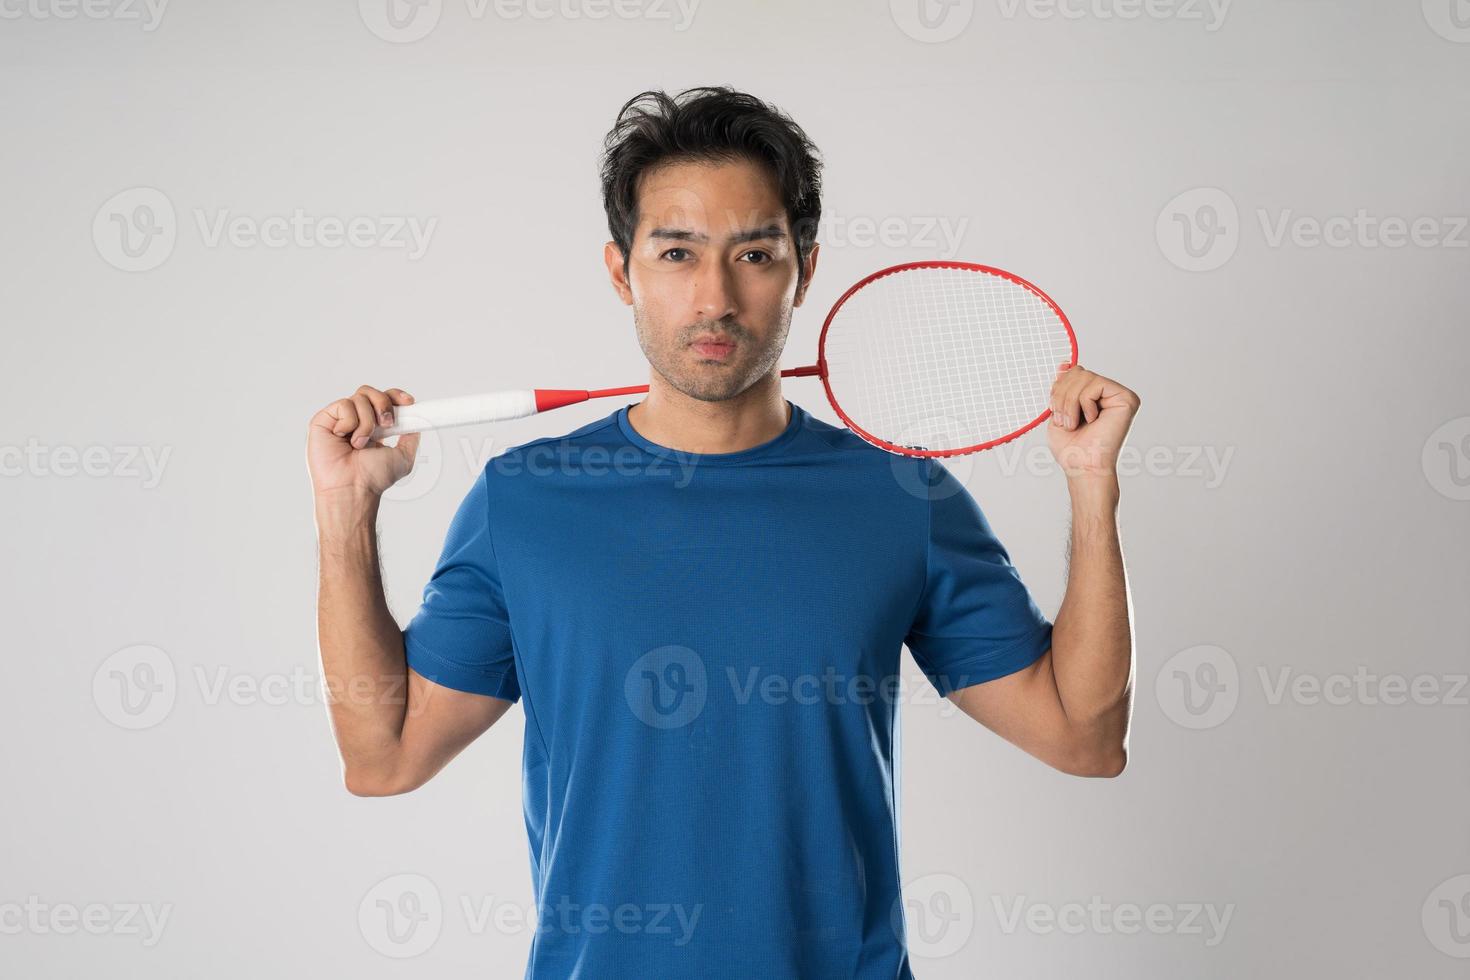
(714, 347)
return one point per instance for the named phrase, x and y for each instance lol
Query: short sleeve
(975, 621)
(460, 636)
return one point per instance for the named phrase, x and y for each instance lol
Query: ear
(612, 256)
(809, 269)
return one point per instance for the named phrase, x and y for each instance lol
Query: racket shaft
(441, 413)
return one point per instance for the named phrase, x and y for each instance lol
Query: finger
(381, 402)
(1090, 399)
(1057, 404)
(1062, 377)
(326, 418)
(398, 397)
(1060, 399)
(366, 421)
(1071, 410)
(1064, 401)
(345, 414)
(1077, 408)
(1056, 397)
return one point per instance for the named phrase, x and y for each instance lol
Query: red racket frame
(972, 267)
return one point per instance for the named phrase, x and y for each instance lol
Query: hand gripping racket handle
(495, 406)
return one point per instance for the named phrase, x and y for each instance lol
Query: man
(700, 600)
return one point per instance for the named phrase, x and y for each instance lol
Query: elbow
(362, 782)
(1097, 763)
(1110, 765)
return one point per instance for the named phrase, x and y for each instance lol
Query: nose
(714, 295)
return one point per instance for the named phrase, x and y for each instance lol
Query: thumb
(408, 447)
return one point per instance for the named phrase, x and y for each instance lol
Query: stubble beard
(669, 354)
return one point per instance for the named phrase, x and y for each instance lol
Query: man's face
(712, 276)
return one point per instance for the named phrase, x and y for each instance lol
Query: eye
(765, 256)
(671, 251)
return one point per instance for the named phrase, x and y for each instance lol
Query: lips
(715, 347)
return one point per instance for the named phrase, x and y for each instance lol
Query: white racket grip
(441, 413)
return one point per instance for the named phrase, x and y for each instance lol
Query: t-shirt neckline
(763, 449)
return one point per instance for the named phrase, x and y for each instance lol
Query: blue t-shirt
(706, 648)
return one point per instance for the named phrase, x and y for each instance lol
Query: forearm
(1092, 640)
(361, 644)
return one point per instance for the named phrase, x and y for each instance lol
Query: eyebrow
(739, 237)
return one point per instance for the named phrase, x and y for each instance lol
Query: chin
(711, 389)
(713, 393)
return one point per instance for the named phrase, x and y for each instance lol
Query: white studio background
(1254, 212)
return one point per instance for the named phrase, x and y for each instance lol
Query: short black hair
(714, 124)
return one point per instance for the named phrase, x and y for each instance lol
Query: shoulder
(511, 461)
(866, 465)
(843, 439)
(598, 431)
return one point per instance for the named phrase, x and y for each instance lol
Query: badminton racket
(922, 359)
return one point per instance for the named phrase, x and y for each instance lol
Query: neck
(671, 418)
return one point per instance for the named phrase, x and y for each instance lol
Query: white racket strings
(939, 359)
